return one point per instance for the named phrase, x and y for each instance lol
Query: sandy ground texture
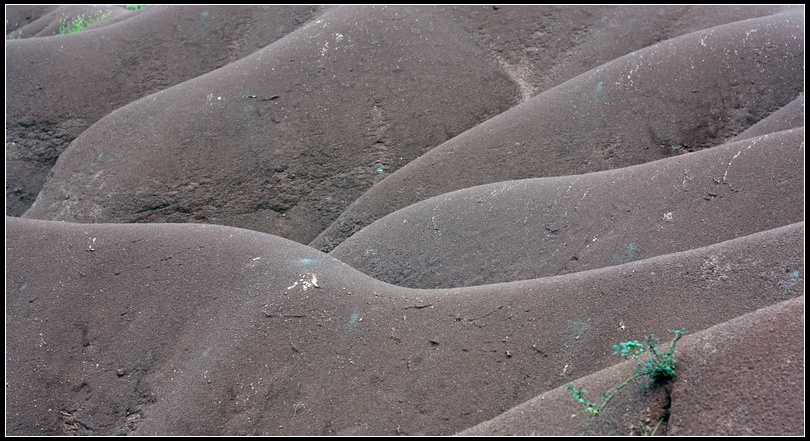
(403, 220)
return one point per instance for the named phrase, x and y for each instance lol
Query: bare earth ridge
(402, 220)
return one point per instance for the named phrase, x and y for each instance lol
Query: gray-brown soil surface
(403, 220)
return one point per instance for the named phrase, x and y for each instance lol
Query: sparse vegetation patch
(659, 366)
(79, 23)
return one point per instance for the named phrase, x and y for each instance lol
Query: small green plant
(78, 23)
(135, 7)
(644, 429)
(659, 366)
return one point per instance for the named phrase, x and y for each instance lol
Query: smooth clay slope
(402, 220)
(706, 396)
(286, 138)
(59, 85)
(680, 95)
(198, 329)
(531, 228)
(282, 140)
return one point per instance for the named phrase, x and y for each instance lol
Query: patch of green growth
(135, 7)
(78, 23)
(646, 431)
(659, 366)
(10, 35)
